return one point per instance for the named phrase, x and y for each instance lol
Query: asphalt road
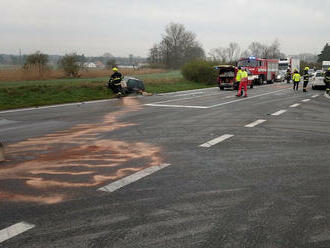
(190, 169)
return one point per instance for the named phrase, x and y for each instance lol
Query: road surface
(198, 168)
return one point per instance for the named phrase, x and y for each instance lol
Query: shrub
(70, 64)
(200, 71)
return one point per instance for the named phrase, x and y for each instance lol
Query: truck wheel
(251, 86)
(260, 81)
(222, 88)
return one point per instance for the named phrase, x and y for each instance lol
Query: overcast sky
(124, 27)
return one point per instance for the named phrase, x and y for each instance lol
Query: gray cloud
(131, 26)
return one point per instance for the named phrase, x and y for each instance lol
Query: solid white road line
(191, 94)
(248, 98)
(159, 104)
(132, 178)
(314, 96)
(279, 112)
(14, 230)
(295, 105)
(216, 140)
(184, 98)
(255, 123)
(176, 106)
(306, 100)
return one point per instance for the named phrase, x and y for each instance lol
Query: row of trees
(325, 54)
(179, 46)
(233, 52)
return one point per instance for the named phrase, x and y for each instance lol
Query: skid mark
(50, 169)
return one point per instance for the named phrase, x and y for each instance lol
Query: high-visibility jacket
(327, 77)
(244, 77)
(239, 76)
(306, 75)
(296, 77)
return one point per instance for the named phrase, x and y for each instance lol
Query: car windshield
(319, 74)
(282, 67)
(247, 63)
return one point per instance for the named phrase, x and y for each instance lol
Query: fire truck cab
(263, 70)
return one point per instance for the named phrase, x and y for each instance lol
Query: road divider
(255, 123)
(14, 230)
(216, 140)
(132, 178)
(295, 105)
(279, 112)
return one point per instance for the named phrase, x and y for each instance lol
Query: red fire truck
(263, 70)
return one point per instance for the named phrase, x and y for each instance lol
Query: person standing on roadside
(238, 79)
(115, 81)
(327, 81)
(296, 79)
(288, 75)
(244, 81)
(306, 78)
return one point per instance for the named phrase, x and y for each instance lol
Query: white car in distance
(318, 80)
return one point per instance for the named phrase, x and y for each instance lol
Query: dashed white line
(14, 230)
(216, 140)
(306, 100)
(132, 178)
(295, 105)
(279, 112)
(175, 106)
(314, 96)
(255, 123)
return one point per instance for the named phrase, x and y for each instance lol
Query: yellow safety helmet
(295, 70)
(329, 69)
(115, 69)
(306, 68)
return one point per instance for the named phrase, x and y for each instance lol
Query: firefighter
(327, 81)
(238, 78)
(296, 79)
(115, 82)
(288, 75)
(306, 78)
(244, 81)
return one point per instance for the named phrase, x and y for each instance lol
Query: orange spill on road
(51, 168)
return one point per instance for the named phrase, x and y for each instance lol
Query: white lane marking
(158, 104)
(244, 99)
(295, 105)
(132, 178)
(14, 230)
(216, 140)
(314, 96)
(327, 95)
(185, 98)
(279, 112)
(55, 106)
(191, 94)
(255, 123)
(306, 100)
(176, 106)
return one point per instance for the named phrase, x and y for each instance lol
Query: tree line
(179, 46)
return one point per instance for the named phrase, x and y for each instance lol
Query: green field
(46, 92)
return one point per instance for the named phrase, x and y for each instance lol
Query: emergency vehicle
(263, 70)
(227, 77)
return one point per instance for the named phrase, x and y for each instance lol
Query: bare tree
(233, 51)
(177, 47)
(219, 54)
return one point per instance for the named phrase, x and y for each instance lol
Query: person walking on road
(288, 75)
(306, 78)
(238, 78)
(296, 79)
(327, 81)
(244, 81)
(115, 82)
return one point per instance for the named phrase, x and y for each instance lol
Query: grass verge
(47, 92)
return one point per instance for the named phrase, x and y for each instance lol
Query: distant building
(99, 65)
(90, 65)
